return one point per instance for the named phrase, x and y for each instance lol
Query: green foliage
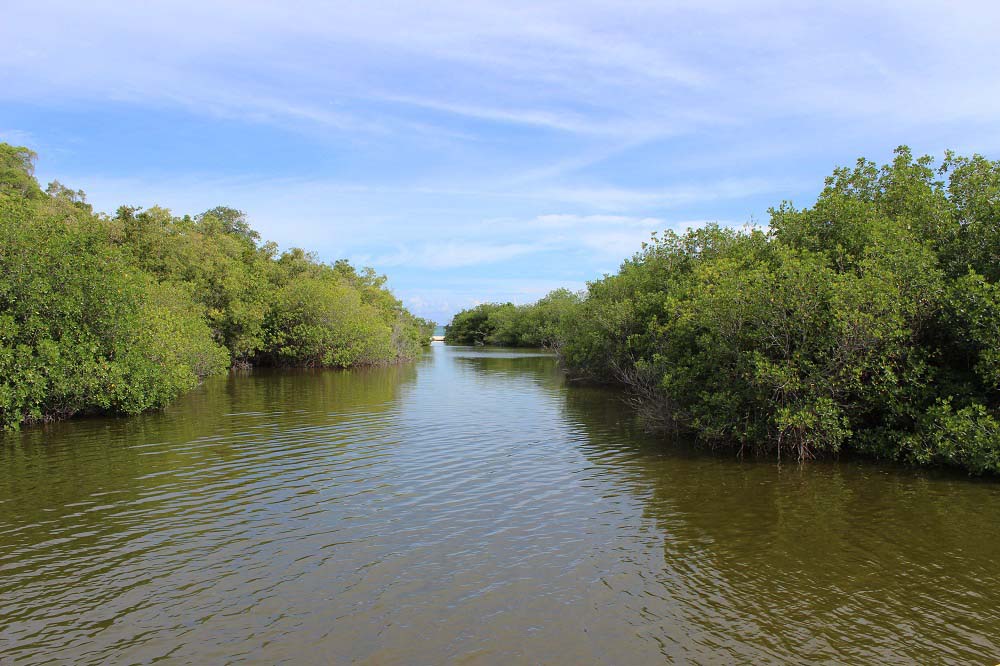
(81, 328)
(317, 322)
(227, 272)
(967, 437)
(869, 321)
(17, 172)
(265, 308)
(122, 314)
(475, 326)
(509, 325)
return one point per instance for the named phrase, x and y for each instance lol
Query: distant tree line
(122, 313)
(509, 325)
(868, 322)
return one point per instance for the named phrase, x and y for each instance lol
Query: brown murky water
(471, 509)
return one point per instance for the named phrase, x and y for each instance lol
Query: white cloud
(455, 254)
(566, 121)
(619, 244)
(626, 199)
(482, 136)
(593, 68)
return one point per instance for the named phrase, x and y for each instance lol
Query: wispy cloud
(566, 121)
(623, 198)
(18, 137)
(485, 140)
(455, 254)
(569, 221)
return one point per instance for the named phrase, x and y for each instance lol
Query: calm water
(470, 509)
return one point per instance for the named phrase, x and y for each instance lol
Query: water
(471, 509)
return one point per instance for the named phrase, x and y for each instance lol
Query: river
(471, 508)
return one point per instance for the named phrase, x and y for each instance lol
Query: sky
(487, 151)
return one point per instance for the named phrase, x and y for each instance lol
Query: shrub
(83, 330)
(121, 314)
(868, 321)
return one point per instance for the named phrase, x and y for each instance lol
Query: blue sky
(487, 150)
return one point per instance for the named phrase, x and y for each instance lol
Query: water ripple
(470, 509)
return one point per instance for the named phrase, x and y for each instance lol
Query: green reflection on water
(471, 507)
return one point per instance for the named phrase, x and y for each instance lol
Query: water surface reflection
(470, 508)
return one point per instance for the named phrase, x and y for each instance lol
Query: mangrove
(122, 313)
(868, 322)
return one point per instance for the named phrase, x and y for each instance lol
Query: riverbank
(123, 313)
(868, 322)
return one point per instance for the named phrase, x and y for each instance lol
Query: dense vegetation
(122, 313)
(509, 325)
(869, 321)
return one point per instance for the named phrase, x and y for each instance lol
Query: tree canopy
(869, 321)
(122, 313)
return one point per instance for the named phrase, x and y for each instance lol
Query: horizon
(488, 152)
